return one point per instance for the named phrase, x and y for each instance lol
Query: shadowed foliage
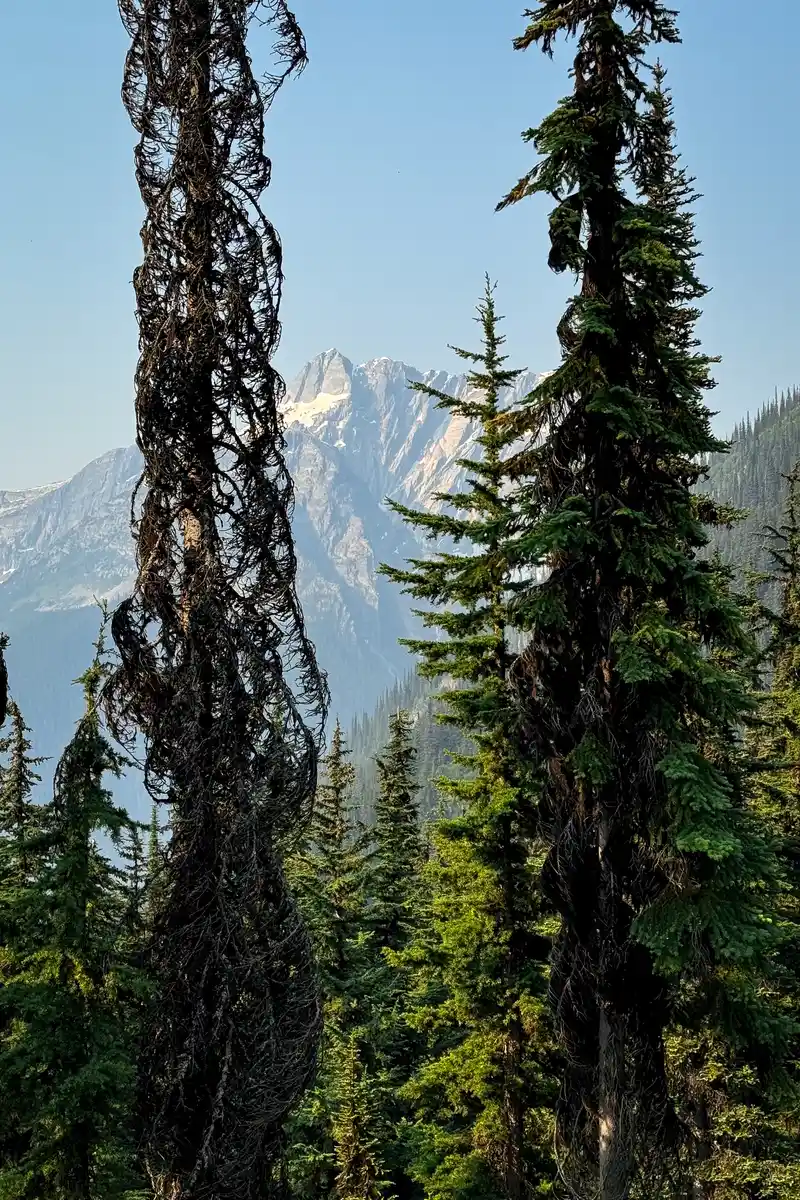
(635, 670)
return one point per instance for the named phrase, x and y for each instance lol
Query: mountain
(355, 434)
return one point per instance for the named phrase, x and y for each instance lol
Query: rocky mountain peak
(397, 439)
(356, 433)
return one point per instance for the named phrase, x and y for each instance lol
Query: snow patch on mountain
(355, 435)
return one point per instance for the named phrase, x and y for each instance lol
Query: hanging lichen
(217, 673)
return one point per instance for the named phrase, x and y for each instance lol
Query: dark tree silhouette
(633, 685)
(216, 670)
(3, 679)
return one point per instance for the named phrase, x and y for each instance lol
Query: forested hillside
(751, 477)
(433, 742)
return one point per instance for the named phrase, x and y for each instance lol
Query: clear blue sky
(389, 154)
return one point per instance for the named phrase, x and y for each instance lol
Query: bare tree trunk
(613, 1167)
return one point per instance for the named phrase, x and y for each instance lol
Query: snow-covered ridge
(356, 434)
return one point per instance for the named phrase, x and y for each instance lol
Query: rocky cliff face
(355, 435)
(396, 439)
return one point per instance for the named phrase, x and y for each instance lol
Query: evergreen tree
(633, 672)
(395, 864)
(357, 1153)
(70, 1000)
(327, 874)
(397, 842)
(722, 1036)
(478, 961)
(743, 1105)
(133, 886)
(20, 823)
(21, 850)
(154, 896)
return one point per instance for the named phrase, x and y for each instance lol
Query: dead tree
(216, 672)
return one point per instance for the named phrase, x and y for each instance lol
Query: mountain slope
(354, 434)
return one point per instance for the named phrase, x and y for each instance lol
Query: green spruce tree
(396, 839)
(154, 892)
(21, 851)
(395, 864)
(327, 875)
(20, 824)
(357, 1153)
(483, 1097)
(723, 1033)
(652, 860)
(70, 999)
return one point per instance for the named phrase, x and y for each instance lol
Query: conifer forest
(530, 929)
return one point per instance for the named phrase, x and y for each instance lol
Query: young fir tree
(483, 1095)
(395, 863)
(133, 888)
(327, 874)
(396, 840)
(20, 824)
(357, 1155)
(70, 999)
(652, 861)
(21, 849)
(154, 895)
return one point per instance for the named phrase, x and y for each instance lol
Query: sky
(389, 154)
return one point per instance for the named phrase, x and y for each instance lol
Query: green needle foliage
(21, 849)
(70, 1000)
(397, 847)
(746, 1106)
(20, 825)
(357, 1153)
(483, 1096)
(633, 672)
(327, 874)
(724, 1030)
(395, 863)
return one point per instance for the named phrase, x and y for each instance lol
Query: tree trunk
(613, 1165)
(513, 1105)
(702, 1190)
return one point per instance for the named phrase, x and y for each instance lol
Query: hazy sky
(389, 155)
